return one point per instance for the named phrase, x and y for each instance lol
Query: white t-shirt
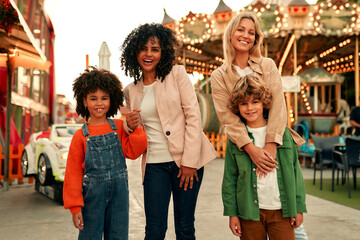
(267, 187)
(243, 72)
(158, 149)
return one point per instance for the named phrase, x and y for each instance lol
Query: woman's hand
(133, 119)
(297, 221)
(271, 148)
(262, 159)
(78, 221)
(187, 175)
(234, 224)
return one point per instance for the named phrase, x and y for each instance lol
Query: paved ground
(28, 215)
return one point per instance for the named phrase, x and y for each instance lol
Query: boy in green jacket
(258, 206)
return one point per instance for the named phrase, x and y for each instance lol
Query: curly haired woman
(163, 99)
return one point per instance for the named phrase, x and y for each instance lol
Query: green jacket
(239, 187)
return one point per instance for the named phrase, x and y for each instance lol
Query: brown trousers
(272, 223)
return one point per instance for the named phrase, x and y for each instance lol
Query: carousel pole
(87, 61)
(7, 124)
(295, 73)
(184, 57)
(206, 79)
(357, 83)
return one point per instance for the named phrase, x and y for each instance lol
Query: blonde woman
(242, 53)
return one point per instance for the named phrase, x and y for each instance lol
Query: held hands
(297, 221)
(234, 224)
(262, 159)
(187, 175)
(133, 119)
(78, 221)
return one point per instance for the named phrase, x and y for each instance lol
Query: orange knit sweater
(133, 146)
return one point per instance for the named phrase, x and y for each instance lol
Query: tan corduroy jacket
(222, 86)
(180, 118)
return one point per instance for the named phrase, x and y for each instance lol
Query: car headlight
(64, 155)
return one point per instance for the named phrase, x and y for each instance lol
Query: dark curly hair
(90, 81)
(244, 88)
(137, 39)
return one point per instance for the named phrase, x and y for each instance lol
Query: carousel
(315, 47)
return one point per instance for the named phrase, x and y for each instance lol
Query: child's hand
(297, 221)
(133, 119)
(234, 224)
(78, 220)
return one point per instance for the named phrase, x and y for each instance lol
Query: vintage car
(46, 154)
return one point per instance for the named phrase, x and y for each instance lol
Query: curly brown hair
(248, 86)
(138, 39)
(90, 81)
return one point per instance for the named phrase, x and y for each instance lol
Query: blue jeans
(300, 233)
(159, 182)
(102, 213)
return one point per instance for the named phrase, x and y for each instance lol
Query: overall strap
(85, 130)
(112, 124)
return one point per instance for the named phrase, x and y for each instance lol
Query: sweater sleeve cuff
(274, 137)
(74, 210)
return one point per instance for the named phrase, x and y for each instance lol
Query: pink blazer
(179, 114)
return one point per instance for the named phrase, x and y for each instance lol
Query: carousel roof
(222, 7)
(298, 3)
(167, 18)
(271, 2)
(325, 31)
(316, 75)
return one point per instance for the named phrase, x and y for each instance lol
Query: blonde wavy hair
(229, 50)
(248, 86)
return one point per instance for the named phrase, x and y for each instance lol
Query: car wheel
(44, 174)
(24, 164)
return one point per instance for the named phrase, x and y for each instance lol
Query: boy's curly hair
(90, 81)
(247, 86)
(139, 38)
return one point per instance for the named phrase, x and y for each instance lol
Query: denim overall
(105, 188)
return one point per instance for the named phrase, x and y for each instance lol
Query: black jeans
(160, 180)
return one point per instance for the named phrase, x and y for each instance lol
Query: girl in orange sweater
(96, 180)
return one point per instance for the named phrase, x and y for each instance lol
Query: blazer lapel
(136, 95)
